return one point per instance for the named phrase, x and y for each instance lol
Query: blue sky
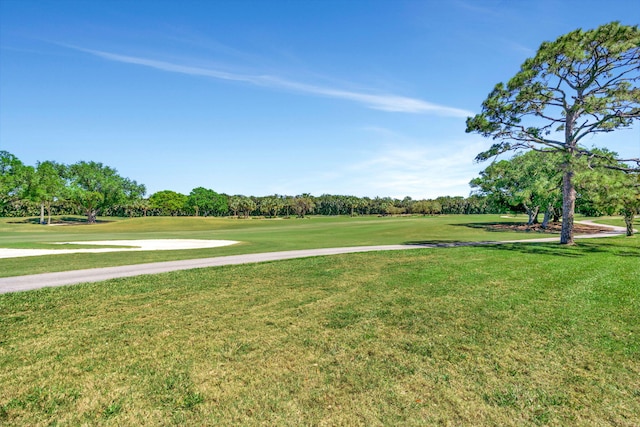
(366, 98)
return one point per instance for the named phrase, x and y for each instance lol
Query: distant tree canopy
(13, 175)
(84, 187)
(168, 202)
(304, 204)
(205, 202)
(271, 205)
(46, 184)
(91, 188)
(582, 84)
(94, 187)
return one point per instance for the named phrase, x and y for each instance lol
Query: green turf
(617, 221)
(256, 235)
(511, 335)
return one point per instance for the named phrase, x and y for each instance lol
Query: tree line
(92, 188)
(528, 183)
(172, 203)
(83, 187)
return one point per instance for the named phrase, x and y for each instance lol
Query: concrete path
(63, 278)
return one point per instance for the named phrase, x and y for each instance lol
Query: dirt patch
(552, 228)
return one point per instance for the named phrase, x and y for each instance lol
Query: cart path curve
(63, 278)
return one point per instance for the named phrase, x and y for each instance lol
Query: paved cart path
(37, 281)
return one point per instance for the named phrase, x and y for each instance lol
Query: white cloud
(420, 171)
(384, 102)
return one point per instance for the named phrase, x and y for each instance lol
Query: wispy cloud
(519, 48)
(402, 166)
(384, 102)
(478, 9)
(420, 171)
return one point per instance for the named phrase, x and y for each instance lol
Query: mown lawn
(520, 334)
(255, 235)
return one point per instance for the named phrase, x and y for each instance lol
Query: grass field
(514, 334)
(256, 235)
(519, 334)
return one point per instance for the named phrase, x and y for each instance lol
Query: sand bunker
(132, 245)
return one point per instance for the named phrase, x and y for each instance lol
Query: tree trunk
(91, 216)
(547, 217)
(568, 206)
(628, 220)
(41, 212)
(49, 214)
(533, 214)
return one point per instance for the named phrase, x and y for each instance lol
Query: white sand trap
(132, 245)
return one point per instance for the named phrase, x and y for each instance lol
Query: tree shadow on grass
(544, 248)
(552, 228)
(513, 227)
(538, 248)
(599, 245)
(489, 226)
(65, 220)
(445, 243)
(580, 249)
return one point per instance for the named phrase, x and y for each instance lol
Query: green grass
(517, 334)
(614, 220)
(256, 235)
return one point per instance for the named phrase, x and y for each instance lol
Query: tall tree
(206, 201)
(271, 205)
(529, 180)
(13, 178)
(303, 204)
(246, 205)
(94, 186)
(613, 193)
(329, 204)
(46, 185)
(352, 202)
(582, 84)
(630, 200)
(136, 207)
(168, 202)
(234, 204)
